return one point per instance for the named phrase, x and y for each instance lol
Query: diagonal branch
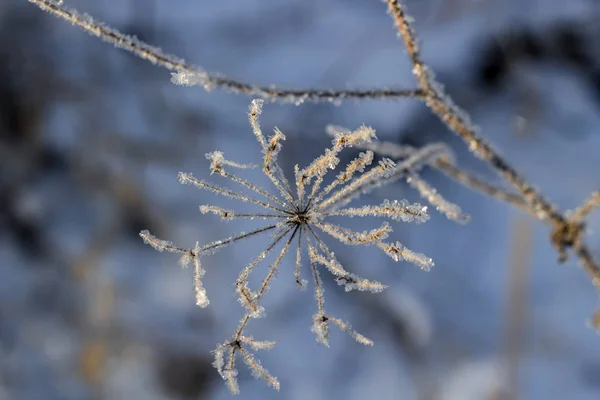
(476, 183)
(566, 231)
(458, 121)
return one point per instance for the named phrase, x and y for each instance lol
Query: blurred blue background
(91, 140)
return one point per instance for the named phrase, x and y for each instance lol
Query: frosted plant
(567, 229)
(299, 217)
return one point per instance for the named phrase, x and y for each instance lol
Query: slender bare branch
(188, 74)
(478, 184)
(589, 205)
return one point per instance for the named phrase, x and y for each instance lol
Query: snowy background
(91, 140)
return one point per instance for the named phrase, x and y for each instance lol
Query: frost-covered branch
(476, 183)
(188, 74)
(566, 231)
(459, 122)
(589, 205)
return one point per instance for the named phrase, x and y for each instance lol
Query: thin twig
(589, 205)
(209, 80)
(587, 261)
(476, 183)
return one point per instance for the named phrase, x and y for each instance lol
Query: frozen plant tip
(298, 217)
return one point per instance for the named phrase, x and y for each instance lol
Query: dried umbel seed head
(298, 218)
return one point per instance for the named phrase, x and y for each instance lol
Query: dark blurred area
(91, 140)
